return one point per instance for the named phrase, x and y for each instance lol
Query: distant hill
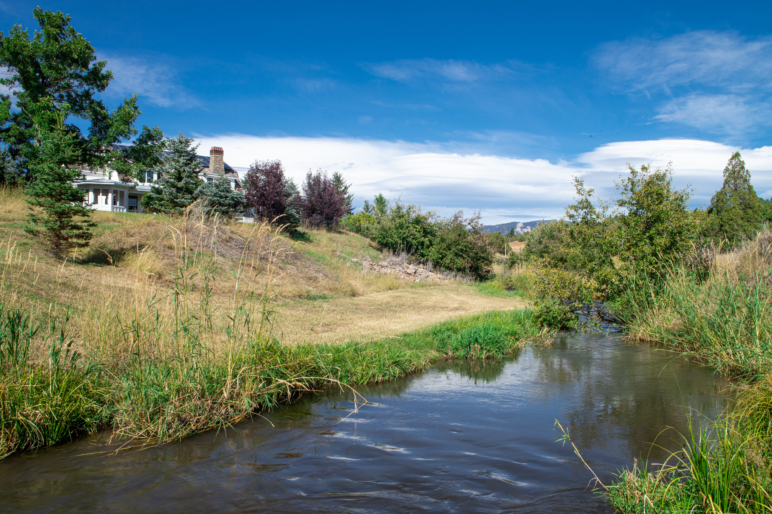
(519, 226)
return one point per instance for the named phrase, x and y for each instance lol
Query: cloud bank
(502, 188)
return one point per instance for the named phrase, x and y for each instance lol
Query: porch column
(110, 200)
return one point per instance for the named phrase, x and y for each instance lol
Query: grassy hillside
(167, 327)
(308, 287)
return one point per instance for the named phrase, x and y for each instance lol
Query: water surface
(462, 437)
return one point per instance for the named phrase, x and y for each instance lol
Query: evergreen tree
(9, 169)
(57, 67)
(217, 198)
(65, 221)
(342, 187)
(735, 211)
(381, 207)
(292, 214)
(367, 208)
(178, 183)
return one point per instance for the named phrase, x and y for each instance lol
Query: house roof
(106, 182)
(203, 158)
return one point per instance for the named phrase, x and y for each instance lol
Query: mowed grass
(382, 314)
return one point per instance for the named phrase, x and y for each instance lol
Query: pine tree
(342, 187)
(735, 211)
(10, 174)
(65, 221)
(217, 198)
(176, 189)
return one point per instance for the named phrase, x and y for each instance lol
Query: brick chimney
(216, 162)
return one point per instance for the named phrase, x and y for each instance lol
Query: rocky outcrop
(398, 267)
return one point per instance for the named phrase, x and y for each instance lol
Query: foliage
(342, 188)
(496, 242)
(735, 211)
(551, 241)
(267, 191)
(555, 315)
(65, 221)
(321, 203)
(460, 245)
(405, 228)
(360, 222)
(57, 68)
(178, 183)
(10, 173)
(651, 227)
(292, 214)
(380, 205)
(217, 198)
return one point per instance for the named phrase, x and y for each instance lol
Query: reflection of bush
(488, 370)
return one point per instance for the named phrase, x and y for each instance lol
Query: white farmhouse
(106, 192)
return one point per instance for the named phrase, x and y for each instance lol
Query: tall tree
(55, 67)
(58, 214)
(342, 187)
(179, 182)
(735, 211)
(267, 192)
(322, 204)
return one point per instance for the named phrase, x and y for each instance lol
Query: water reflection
(465, 436)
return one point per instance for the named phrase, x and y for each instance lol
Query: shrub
(405, 228)
(555, 315)
(460, 245)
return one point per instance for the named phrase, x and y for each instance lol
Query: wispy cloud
(445, 71)
(717, 113)
(718, 59)
(448, 177)
(151, 81)
(715, 81)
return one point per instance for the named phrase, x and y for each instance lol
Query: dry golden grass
(140, 266)
(384, 314)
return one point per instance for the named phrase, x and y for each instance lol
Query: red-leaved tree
(322, 204)
(266, 190)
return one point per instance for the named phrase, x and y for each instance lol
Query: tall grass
(721, 314)
(722, 468)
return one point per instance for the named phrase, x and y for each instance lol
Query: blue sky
(489, 106)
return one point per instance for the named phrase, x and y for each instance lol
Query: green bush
(555, 315)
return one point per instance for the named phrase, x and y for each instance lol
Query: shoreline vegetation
(167, 327)
(697, 282)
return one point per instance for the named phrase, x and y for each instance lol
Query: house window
(105, 195)
(210, 179)
(132, 204)
(148, 176)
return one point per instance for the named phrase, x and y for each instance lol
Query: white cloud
(717, 113)
(503, 188)
(152, 81)
(451, 70)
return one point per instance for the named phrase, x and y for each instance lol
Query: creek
(461, 437)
